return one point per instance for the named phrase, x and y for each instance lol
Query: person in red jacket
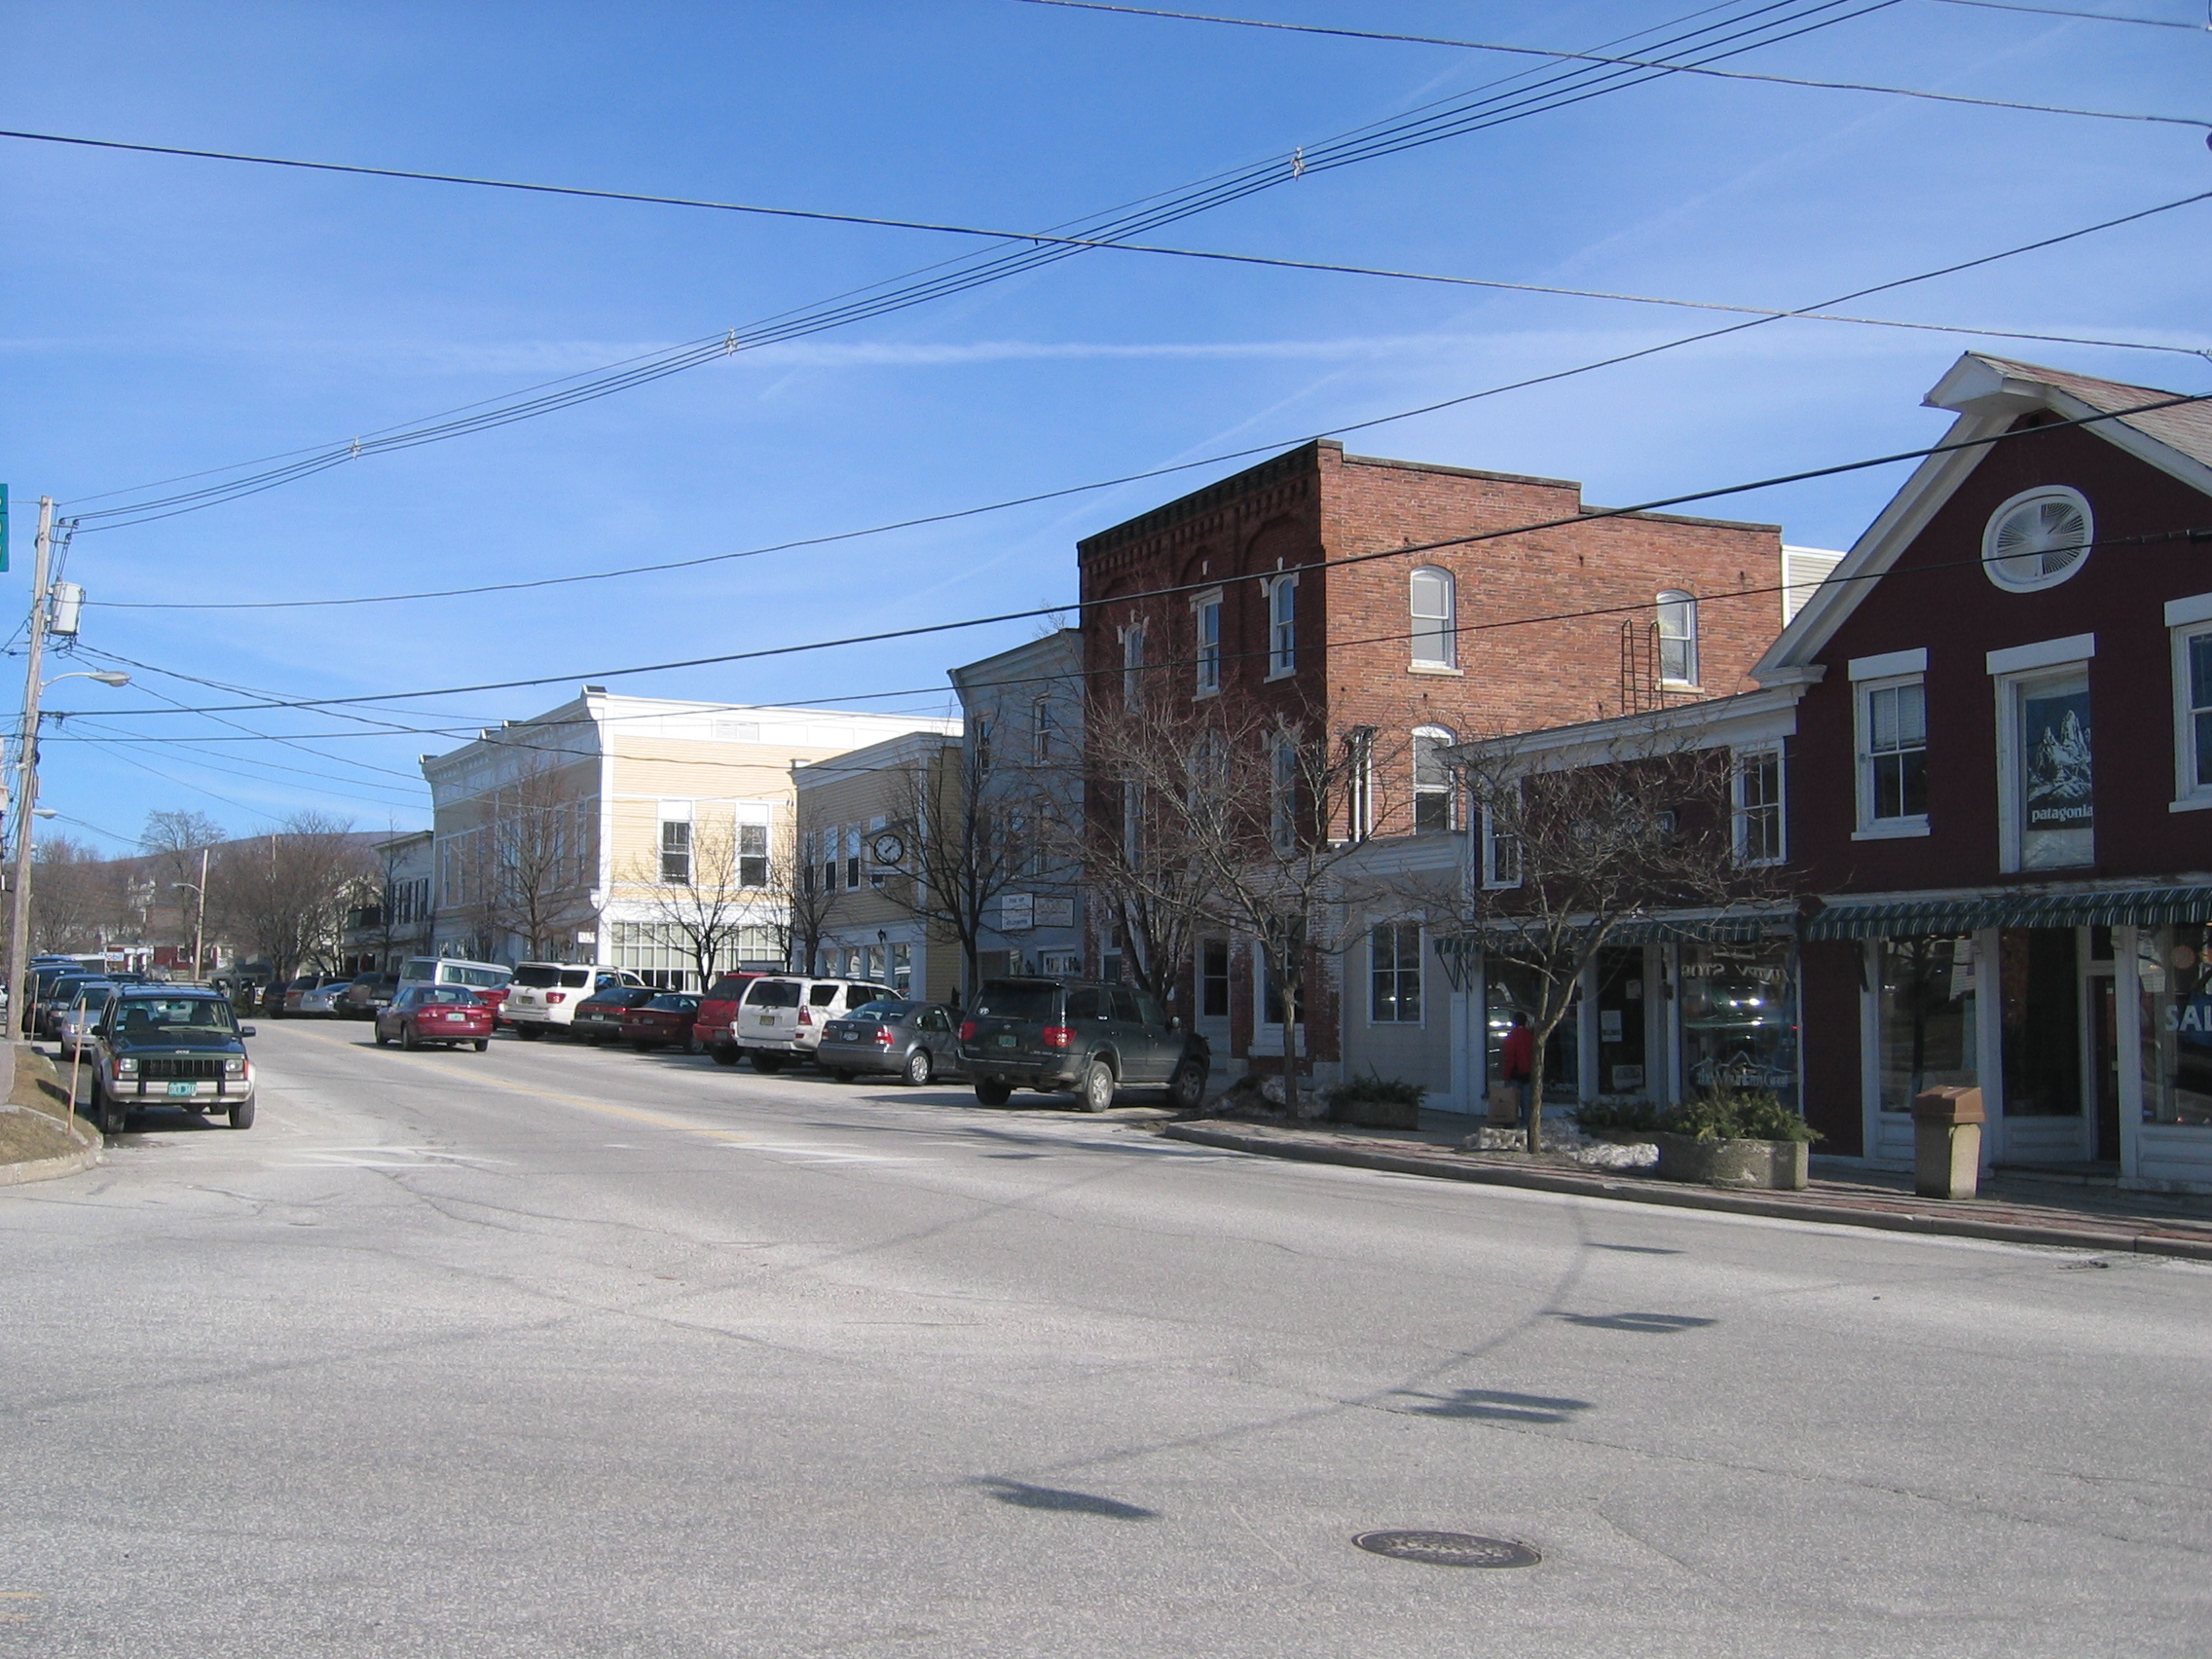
(1517, 1060)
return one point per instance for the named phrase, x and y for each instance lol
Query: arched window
(1678, 638)
(1432, 778)
(1435, 630)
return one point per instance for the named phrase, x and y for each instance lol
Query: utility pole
(26, 791)
(200, 918)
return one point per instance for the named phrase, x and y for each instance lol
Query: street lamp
(26, 794)
(198, 889)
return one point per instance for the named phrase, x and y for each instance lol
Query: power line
(1758, 320)
(923, 630)
(1451, 118)
(1632, 63)
(2086, 16)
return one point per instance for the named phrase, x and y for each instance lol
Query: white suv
(543, 996)
(781, 1019)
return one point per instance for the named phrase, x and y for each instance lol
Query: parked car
(663, 1022)
(298, 989)
(598, 1016)
(170, 1046)
(914, 1040)
(1081, 1037)
(544, 996)
(366, 996)
(72, 1023)
(62, 991)
(717, 1025)
(423, 1015)
(781, 1019)
(322, 1001)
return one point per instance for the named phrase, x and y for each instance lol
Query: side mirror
(1174, 1022)
(247, 1031)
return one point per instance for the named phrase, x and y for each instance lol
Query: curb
(1696, 1197)
(50, 1168)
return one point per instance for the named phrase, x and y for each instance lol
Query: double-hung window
(1432, 778)
(753, 854)
(1501, 838)
(1394, 973)
(1132, 661)
(1040, 723)
(1758, 806)
(1677, 637)
(1435, 622)
(1205, 621)
(1282, 626)
(852, 856)
(676, 852)
(1283, 806)
(1892, 718)
(2190, 620)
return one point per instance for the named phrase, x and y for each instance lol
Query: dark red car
(716, 1026)
(423, 1015)
(666, 1021)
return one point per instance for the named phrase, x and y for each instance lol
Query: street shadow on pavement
(1651, 1324)
(1023, 1495)
(1494, 1406)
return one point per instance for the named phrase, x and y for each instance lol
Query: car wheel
(766, 1063)
(728, 1054)
(1095, 1093)
(115, 1118)
(407, 1037)
(993, 1094)
(383, 1042)
(1188, 1086)
(482, 1044)
(692, 1046)
(920, 1067)
(242, 1115)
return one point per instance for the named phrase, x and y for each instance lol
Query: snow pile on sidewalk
(1569, 1141)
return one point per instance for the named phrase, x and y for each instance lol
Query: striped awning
(2130, 906)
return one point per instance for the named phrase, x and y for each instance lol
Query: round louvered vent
(2036, 539)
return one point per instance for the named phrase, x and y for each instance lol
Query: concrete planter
(1377, 1115)
(1781, 1166)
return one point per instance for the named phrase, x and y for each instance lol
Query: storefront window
(2040, 998)
(1739, 1006)
(902, 968)
(1621, 1068)
(1514, 987)
(2174, 969)
(1927, 1017)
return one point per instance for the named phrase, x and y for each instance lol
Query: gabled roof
(1989, 395)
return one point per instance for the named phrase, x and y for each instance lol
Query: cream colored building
(583, 833)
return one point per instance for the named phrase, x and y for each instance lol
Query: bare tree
(804, 901)
(535, 854)
(1234, 817)
(963, 834)
(1570, 857)
(709, 896)
(77, 898)
(175, 841)
(283, 896)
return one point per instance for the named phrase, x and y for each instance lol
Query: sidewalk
(2013, 1208)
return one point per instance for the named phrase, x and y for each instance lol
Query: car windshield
(1011, 1000)
(154, 1018)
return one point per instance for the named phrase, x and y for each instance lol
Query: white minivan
(544, 995)
(488, 981)
(780, 1022)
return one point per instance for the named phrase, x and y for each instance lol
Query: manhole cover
(1449, 1549)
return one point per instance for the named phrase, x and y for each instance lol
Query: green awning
(1504, 933)
(2131, 907)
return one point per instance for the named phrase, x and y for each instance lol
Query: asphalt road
(551, 1351)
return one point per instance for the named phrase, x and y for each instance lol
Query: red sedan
(663, 1022)
(423, 1015)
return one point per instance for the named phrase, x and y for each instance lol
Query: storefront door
(2104, 1062)
(2042, 1014)
(1622, 1068)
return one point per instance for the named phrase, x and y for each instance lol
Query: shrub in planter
(1377, 1102)
(1617, 1119)
(1734, 1138)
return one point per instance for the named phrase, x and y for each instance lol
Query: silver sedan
(912, 1041)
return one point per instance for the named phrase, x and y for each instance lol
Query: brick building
(1294, 590)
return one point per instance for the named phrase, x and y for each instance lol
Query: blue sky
(166, 316)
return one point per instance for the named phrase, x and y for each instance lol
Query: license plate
(1008, 1040)
(848, 1035)
(184, 1091)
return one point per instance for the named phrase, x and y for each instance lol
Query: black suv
(1079, 1037)
(170, 1046)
